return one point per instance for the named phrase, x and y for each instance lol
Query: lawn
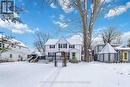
(95, 74)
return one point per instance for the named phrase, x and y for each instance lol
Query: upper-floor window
(59, 46)
(71, 46)
(62, 45)
(13, 45)
(0, 45)
(52, 46)
(3, 45)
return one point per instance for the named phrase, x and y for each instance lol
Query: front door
(73, 55)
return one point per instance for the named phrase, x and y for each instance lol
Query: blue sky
(57, 21)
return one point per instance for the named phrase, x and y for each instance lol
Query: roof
(75, 39)
(19, 43)
(122, 48)
(51, 42)
(108, 49)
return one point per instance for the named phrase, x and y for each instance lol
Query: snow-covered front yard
(23, 74)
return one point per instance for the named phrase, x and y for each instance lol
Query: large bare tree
(111, 35)
(40, 40)
(89, 11)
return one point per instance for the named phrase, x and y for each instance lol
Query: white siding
(17, 52)
(77, 49)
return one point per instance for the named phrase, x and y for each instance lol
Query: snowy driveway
(74, 75)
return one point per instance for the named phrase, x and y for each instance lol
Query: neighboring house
(112, 53)
(71, 46)
(123, 54)
(107, 54)
(16, 51)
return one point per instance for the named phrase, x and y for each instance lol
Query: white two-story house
(72, 46)
(16, 51)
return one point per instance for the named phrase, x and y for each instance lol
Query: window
(62, 45)
(71, 46)
(59, 46)
(0, 45)
(51, 54)
(3, 45)
(52, 46)
(12, 45)
(10, 55)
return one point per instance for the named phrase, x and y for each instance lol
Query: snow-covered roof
(75, 39)
(108, 49)
(17, 42)
(122, 48)
(51, 42)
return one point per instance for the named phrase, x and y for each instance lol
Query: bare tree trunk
(83, 14)
(85, 32)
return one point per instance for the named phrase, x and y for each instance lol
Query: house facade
(123, 54)
(113, 53)
(71, 46)
(16, 51)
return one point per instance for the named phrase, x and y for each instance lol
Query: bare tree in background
(88, 17)
(40, 40)
(111, 35)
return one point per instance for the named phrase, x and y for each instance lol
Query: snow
(51, 42)
(75, 39)
(19, 43)
(93, 74)
(122, 48)
(108, 49)
(22, 74)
